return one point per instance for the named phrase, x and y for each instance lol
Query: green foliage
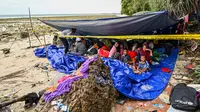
(177, 7)
(130, 7)
(147, 7)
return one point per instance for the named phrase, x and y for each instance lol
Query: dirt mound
(92, 94)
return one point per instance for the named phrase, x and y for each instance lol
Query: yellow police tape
(146, 37)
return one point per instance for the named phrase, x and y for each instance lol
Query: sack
(183, 97)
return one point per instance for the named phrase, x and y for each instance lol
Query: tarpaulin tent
(139, 24)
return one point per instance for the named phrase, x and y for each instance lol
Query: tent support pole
(32, 26)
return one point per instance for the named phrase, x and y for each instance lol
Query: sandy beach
(18, 74)
(21, 72)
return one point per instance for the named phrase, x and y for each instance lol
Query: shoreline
(63, 17)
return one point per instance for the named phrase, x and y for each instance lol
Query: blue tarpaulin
(40, 52)
(58, 60)
(146, 86)
(141, 87)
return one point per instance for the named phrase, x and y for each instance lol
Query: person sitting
(104, 52)
(125, 57)
(121, 49)
(113, 52)
(80, 47)
(143, 66)
(133, 55)
(93, 50)
(146, 52)
(64, 40)
(181, 27)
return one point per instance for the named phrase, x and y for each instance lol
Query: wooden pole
(32, 26)
(45, 41)
(29, 37)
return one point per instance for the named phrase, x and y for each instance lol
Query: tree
(130, 7)
(183, 7)
(178, 8)
(147, 7)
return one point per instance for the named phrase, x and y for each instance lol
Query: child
(125, 57)
(114, 49)
(143, 65)
(146, 52)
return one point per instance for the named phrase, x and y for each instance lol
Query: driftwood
(12, 75)
(29, 99)
(6, 50)
(20, 99)
(183, 79)
(36, 46)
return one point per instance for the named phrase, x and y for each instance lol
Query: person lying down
(143, 66)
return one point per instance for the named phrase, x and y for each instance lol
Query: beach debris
(59, 106)
(24, 34)
(121, 99)
(5, 109)
(129, 109)
(195, 86)
(164, 98)
(6, 50)
(14, 74)
(173, 81)
(184, 79)
(158, 105)
(37, 65)
(33, 85)
(3, 29)
(194, 45)
(189, 66)
(30, 99)
(181, 52)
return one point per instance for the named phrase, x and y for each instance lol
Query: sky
(59, 6)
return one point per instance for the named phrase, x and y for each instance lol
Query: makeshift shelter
(143, 87)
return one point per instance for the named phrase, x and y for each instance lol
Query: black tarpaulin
(130, 25)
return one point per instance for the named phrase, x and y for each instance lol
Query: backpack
(183, 97)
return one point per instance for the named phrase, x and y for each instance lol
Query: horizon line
(57, 14)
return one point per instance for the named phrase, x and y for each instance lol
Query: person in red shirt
(145, 52)
(181, 27)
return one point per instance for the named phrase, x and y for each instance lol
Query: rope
(146, 37)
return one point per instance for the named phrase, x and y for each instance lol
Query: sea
(48, 15)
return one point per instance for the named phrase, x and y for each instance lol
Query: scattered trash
(129, 108)
(24, 34)
(181, 52)
(154, 111)
(189, 66)
(37, 64)
(194, 45)
(33, 85)
(164, 98)
(121, 99)
(5, 109)
(195, 86)
(158, 105)
(59, 106)
(6, 50)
